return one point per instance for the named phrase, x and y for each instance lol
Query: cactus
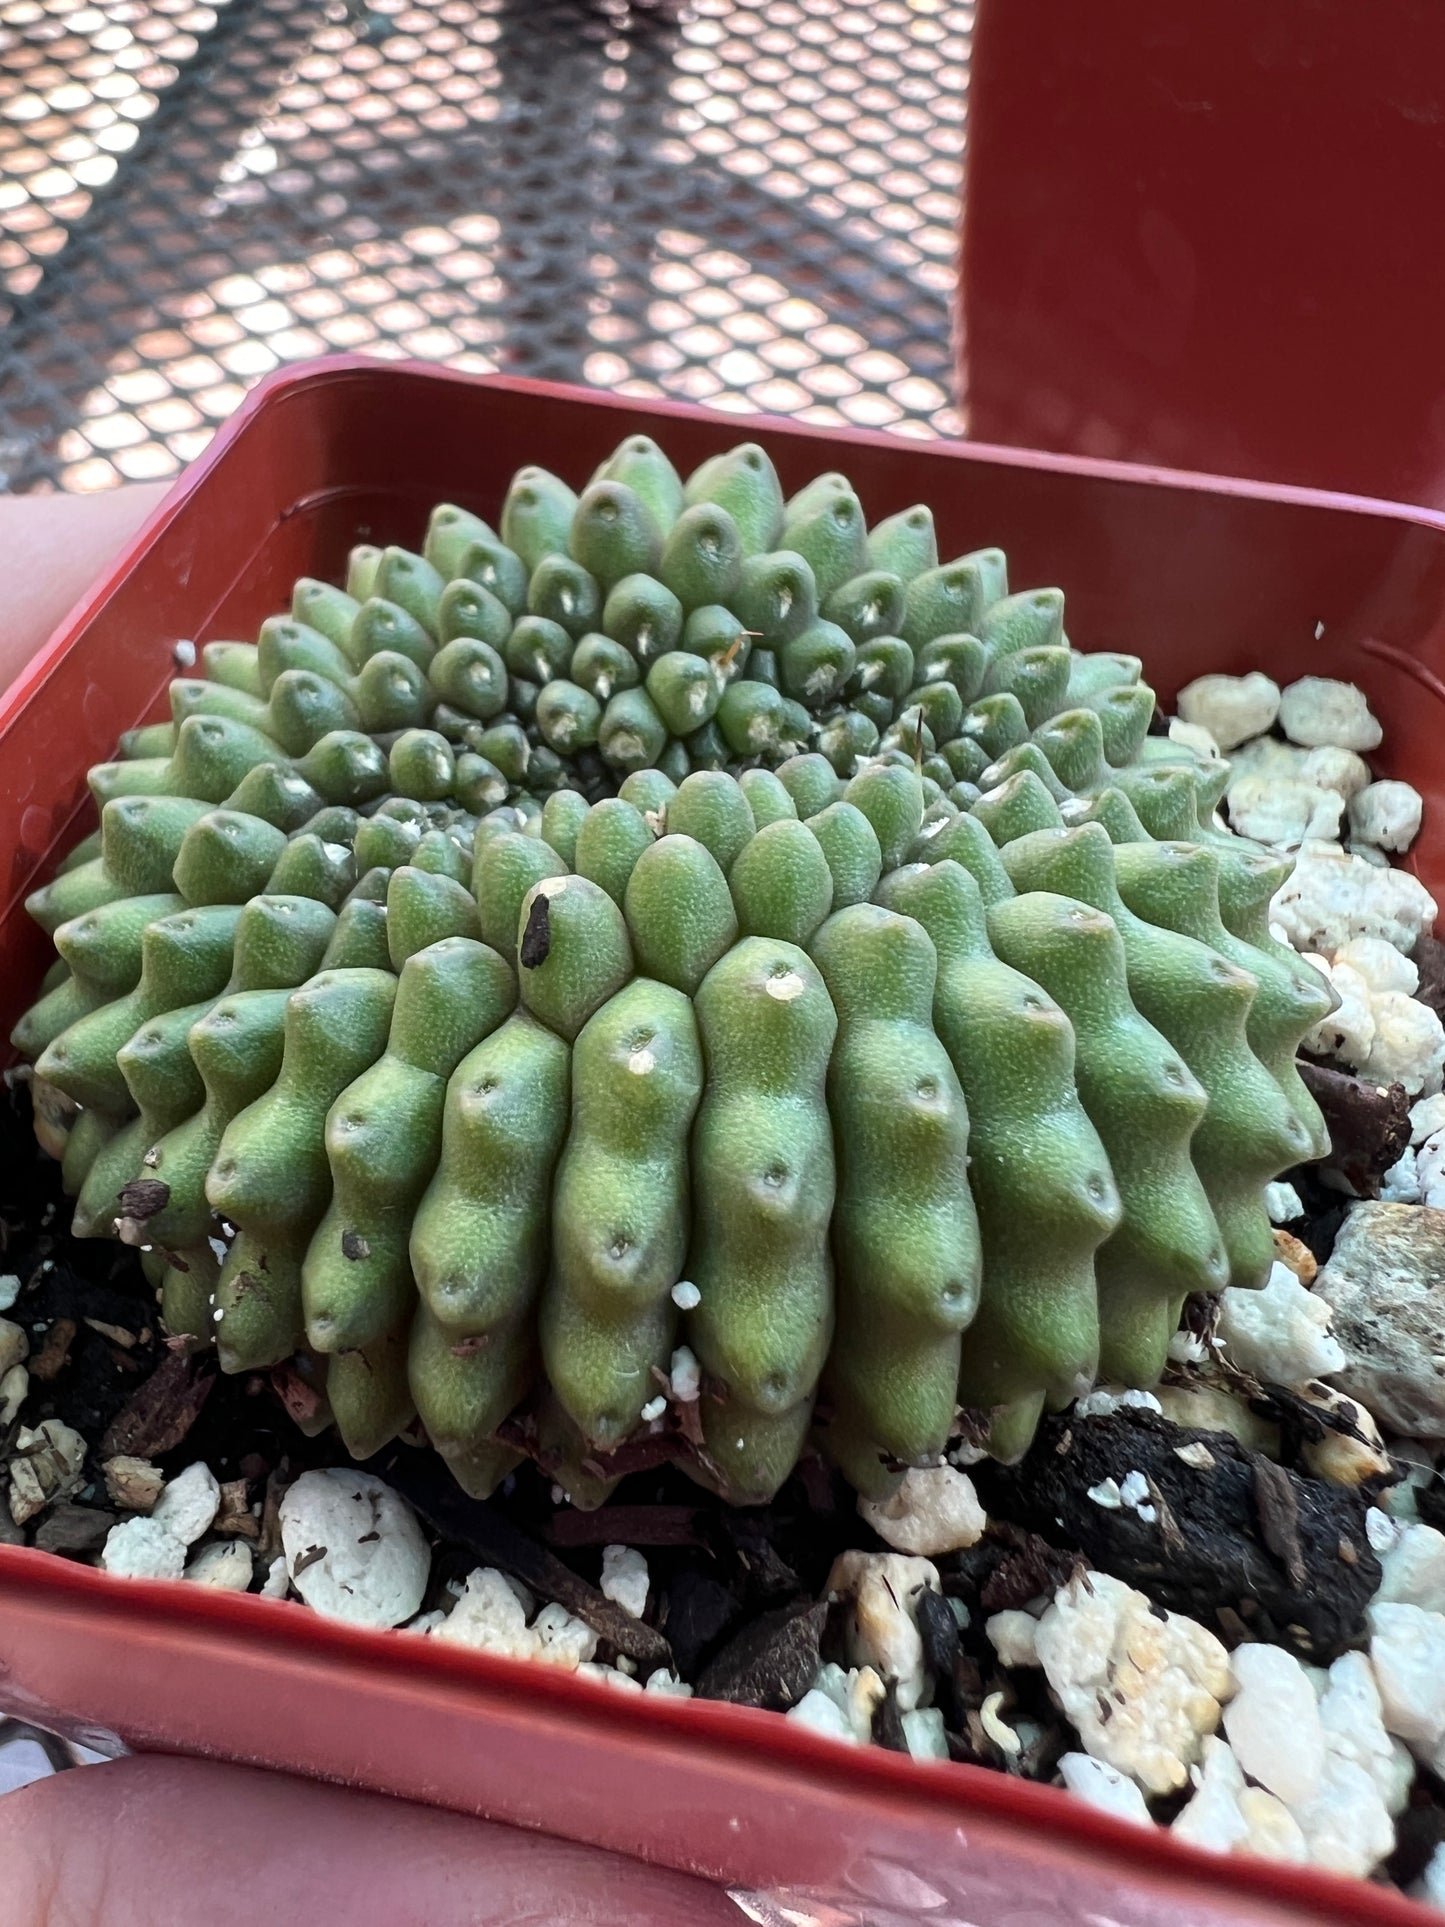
(678, 914)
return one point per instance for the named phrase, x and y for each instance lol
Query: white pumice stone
(882, 1589)
(277, 1583)
(1104, 1787)
(1401, 1183)
(820, 1714)
(1212, 1819)
(1273, 1723)
(1318, 712)
(353, 1547)
(1348, 1031)
(1195, 738)
(1282, 1202)
(140, 1549)
(1430, 1171)
(1331, 897)
(1346, 1826)
(665, 1684)
(489, 1616)
(1430, 1887)
(563, 1639)
(924, 1734)
(1282, 812)
(609, 1676)
(1014, 1636)
(226, 1566)
(1386, 814)
(1408, 1046)
(1106, 1399)
(1281, 1333)
(1231, 708)
(625, 1579)
(1380, 964)
(1414, 1568)
(1270, 1830)
(1352, 1718)
(1329, 768)
(1407, 1651)
(1162, 1680)
(934, 1510)
(1427, 1117)
(188, 1503)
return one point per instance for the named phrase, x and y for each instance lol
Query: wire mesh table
(747, 203)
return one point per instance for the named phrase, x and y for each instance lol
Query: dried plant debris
(1288, 1556)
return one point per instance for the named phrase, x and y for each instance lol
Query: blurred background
(752, 204)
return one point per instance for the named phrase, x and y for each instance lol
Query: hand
(153, 1841)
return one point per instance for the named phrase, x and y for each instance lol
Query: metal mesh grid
(747, 203)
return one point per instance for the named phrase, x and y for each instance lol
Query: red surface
(1206, 233)
(1192, 574)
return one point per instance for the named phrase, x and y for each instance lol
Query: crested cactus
(682, 916)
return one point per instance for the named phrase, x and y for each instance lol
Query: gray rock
(1386, 1284)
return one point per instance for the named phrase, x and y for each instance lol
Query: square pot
(1191, 574)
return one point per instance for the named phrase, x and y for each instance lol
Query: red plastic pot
(1200, 234)
(1192, 574)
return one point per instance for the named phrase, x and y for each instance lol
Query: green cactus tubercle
(678, 960)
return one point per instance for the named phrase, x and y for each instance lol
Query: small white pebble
(1282, 1202)
(1107, 1494)
(653, 1409)
(188, 1503)
(1380, 964)
(686, 1296)
(1195, 738)
(665, 1684)
(1329, 768)
(1104, 1787)
(1281, 1333)
(9, 1289)
(277, 1582)
(1381, 1530)
(1231, 708)
(1427, 1116)
(1273, 1723)
(563, 1639)
(489, 1617)
(625, 1579)
(184, 654)
(1106, 1399)
(1015, 1637)
(226, 1565)
(1414, 1568)
(934, 1510)
(1430, 1887)
(140, 1549)
(1282, 812)
(685, 1377)
(1317, 711)
(924, 1732)
(353, 1547)
(1407, 1651)
(1133, 1488)
(1197, 1456)
(609, 1676)
(1386, 814)
(820, 1714)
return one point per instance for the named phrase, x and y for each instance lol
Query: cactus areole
(678, 928)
